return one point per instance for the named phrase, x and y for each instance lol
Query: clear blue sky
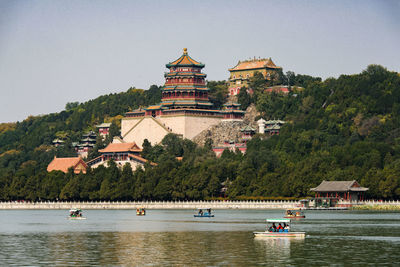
(54, 52)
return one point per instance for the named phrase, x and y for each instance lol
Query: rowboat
(204, 213)
(282, 230)
(76, 214)
(140, 212)
(294, 214)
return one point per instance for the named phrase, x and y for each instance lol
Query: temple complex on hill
(185, 108)
(244, 70)
(86, 144)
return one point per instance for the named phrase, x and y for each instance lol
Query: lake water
(176, 238)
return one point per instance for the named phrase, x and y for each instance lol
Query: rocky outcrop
(228, 130)
(225, 130)
(250, 116)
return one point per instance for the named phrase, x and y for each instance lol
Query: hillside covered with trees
(345, 128)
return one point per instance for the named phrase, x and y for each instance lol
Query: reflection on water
(277, 250)
(175, 238)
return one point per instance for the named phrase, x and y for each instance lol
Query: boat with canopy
(279, 228)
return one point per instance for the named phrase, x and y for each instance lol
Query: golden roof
(185, 60)
(255, 64)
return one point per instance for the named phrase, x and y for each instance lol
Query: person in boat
(273, 227)
(289, 212)
(209, 211)
(201, 212)
(286, 227)
(280, 228)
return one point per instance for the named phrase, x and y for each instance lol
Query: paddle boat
(294, 214)
(76, 214)
(204, 213)
(282, 230)
(140, 212)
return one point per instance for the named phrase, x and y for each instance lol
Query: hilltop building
(58, 142)
(271, 127)
(86, 144)
(185, 108)
(104, 129)
(278, 89)
(247, 133)
(63, 164)
(232, 112)
(244, 70)
(121, 153)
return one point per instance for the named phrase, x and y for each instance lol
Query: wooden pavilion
(340, 190)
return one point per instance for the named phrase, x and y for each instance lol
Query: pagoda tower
(185, 108)
(185, 85)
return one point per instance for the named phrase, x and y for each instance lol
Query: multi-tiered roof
(185, 92)
(185, 85)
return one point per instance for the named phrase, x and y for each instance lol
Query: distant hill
(345, 128)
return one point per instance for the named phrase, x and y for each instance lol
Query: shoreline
(376, 207)
(214, 204)
(128, 205)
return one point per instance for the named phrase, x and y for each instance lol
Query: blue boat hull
(203, 215)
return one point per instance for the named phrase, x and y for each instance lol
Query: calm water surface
(176, 238)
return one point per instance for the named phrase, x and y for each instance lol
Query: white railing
(229, 204)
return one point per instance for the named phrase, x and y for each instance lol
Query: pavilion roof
(274, 122)
(185, 60)
(339, 186)
(121, 147)
(142, 160)
(185, 74)
(273, 127)
(247, 128)
(104, 125)
(255, 64)
(63, 164)
(154, 107)
(231, 103)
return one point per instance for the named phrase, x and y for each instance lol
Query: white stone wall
(120, 164)
(175, 123)
(148, 129)
(188, 125)
(195, 125)
(154, 129)
(127, 124)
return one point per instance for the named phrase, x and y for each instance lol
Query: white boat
(282, 230)
(76, 214)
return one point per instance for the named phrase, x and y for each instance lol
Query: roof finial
(185, 51)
